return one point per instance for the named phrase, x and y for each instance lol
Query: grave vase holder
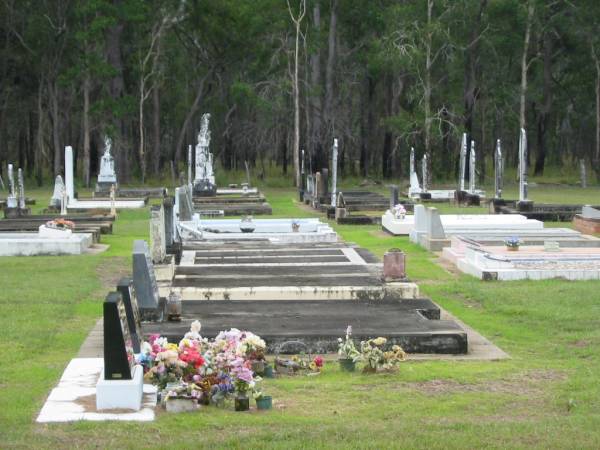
(242, 403)
(264, 402)
(347, 364)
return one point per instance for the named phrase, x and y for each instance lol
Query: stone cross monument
(472, 174)
(334, 159)
(463, 162)
(107, 176)
(11, 199)
(499, 170)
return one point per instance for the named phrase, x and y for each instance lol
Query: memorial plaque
(144, 279)
(125, 287)
(118, 349)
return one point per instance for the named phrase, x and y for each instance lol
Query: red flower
(318, 361)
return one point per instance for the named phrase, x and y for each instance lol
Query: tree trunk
(597, 150)
(329, 79)
(39, 148)
(427, 83)
(525, 64)
(86, 130)
(188, 118)
(546, 107)
(53, 91)
(316, 144)
(156, 130)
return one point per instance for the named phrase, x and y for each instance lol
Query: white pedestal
(54, 233)
(121, 394)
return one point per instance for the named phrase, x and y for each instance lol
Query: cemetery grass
(545, 396)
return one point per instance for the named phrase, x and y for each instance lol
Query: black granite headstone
(394, 200)
(168, 205)
(125, 287)
(118, 349)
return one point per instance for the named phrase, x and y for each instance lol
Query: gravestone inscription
(132, 310)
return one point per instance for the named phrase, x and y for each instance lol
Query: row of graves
(214, 305)
(50, 233)
(471, 196)
(70, 224)
(350, 207)
(210, 200)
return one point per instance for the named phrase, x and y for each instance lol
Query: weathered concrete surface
(317, 325)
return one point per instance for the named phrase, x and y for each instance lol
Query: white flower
(195, 327)
(146, 348)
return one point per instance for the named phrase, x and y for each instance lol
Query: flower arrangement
(346, 347)
(202, 370)
(299, 363)
(376, 359)
(61, 224)
(399, 211)
(512, 243)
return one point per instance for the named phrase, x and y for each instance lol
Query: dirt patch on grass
(447, 266)
(527, 383)
(581, 343)
(381, 234)
(111, 270)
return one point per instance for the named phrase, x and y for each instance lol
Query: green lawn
(546, 396)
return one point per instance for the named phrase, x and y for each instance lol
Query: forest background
(382, 76)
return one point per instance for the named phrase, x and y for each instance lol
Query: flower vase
(347, 364)
(264, 402)
(242, 403)
(268, 373)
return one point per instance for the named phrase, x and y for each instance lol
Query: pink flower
(318, 361)
(153, 337)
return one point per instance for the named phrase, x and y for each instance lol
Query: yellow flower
(379, 341)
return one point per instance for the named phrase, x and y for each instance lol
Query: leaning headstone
(125, 287)
(121, 384)
(107, 176)
(157, 234)
(144, 279)
(57, 194)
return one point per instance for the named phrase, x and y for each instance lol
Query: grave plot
(588, 221)
(529, 262)
(431, 233)
(303, 293)
(207, 198)
(74, 204)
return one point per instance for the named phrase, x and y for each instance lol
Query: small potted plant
(512, 244)
(263, 401)
(347, 352)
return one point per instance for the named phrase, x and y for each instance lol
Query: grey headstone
(420, 218)
(590, 213)
(435, 229)
(144, 279)
(157, 234)
(168, 210)
(185, 213)
(57, 194)
(325, 183)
